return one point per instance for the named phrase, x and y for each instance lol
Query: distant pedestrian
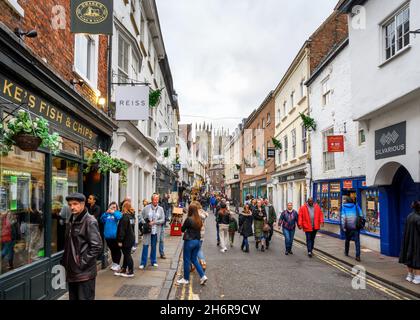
(233, 228)
(260, 218)
(410, 248)
(223, 219)
(271, 218)
(110, 220)
(311, 219)
(245, 227)
(288, 220)
(82, 246)
(153, 216)
(192, 236)
(126, 239)
(350, 214)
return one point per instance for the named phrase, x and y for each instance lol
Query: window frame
(392, 20)
(326, 94)
(328, 158)
(92, 67)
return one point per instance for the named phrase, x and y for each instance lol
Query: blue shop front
(329, 194)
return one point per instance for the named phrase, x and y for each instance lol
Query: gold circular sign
(92, 12)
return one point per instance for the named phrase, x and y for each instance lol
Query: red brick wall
(57, 46)
(332, 32)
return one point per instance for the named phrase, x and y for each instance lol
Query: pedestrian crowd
(88, 229)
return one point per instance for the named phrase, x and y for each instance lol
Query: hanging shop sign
(335, 187)
(166, 139)
(177, 167)
(13, 92)
(335, 143)
(348, 184)
(236, 176)
(131, 103)
(92, 17)
(391, 141)
(271, 153)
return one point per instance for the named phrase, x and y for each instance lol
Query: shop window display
(370, 205)
(65, 178)
(335, 203)
(324, 200)
(22, 194)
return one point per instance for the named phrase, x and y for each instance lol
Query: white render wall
(337, 114)
(377, 86)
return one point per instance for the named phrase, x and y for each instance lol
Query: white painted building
(139, 56)
(385, 86)
(336, 175)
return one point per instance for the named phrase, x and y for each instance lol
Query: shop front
(330, 195)
(290, 187)
(34, 185)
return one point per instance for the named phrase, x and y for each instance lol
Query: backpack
(361, 221)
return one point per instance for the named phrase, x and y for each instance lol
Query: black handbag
(146, 227)
(361, 221)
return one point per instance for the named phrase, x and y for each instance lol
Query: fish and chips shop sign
(13, 92)
(391, 141)
(92, 17)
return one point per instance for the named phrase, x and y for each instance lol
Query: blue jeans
(162, 240)
(191, 248)
(245, 243)
(310, 240)
(200, 254)
(217, 232)
(289, 235)
(8, 251)
(145, 251)
(353, 235)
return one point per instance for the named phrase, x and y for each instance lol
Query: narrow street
(271, 275)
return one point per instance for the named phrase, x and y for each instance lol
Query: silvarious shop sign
(391, 141)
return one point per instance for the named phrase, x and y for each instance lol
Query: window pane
(69, 146)
(22, 194)
(81, 58)
(65, 180)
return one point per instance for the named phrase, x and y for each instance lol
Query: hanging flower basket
(308, 122)
(277, 144)
(154, 97)
(116, 170)
(27, 142)
(28, 134)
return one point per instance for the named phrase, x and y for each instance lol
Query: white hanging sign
(132, 102)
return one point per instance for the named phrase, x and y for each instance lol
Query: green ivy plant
(154, 97)
(308, 122)
(24, 124)
(121, 167)
(238, 167)
(166, 153)
(277, 144)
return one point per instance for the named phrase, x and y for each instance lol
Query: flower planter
(116, 170)
(94, 167)
(27, 142)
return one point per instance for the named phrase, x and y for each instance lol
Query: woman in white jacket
(203, 215)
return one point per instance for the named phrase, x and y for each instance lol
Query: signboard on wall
(348, 184)
(132, 103)
(335, 144)
(271, 153)
(92, 17)
(391, 141)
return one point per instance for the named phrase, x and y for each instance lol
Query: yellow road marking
(190, 296)
(183, 292)
(372, 283)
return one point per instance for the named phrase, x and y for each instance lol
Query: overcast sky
(226, 55)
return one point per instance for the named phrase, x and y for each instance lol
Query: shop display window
(69, 147)
(335, 201)
(370, 205)
(65, 180)
(324, 199)
(22, 194)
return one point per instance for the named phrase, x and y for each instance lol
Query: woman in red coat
(311, 219)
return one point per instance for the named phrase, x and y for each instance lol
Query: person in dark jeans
(126, 239)
(272, 219)
(95, 210)
(310, 219)
(349, 216)
(288, 219)
(192, 235)
(82, 246)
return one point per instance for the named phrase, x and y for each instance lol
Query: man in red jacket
(311, 219)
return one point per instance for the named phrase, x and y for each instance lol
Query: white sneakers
(203, 280)
(141, 267)
(412, 278)
(155, 265)
(115, 267)
(182, 281)
(223, 250)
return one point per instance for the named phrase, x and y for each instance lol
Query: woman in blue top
(110, 221)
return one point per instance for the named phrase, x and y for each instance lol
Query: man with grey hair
(153, 216)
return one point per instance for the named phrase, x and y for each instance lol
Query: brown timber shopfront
(33, 185)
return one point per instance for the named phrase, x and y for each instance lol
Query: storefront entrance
(397, 199)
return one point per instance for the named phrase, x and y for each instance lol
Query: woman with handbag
(192, 236)
(223, 219)
(260, 225)
(245, 227)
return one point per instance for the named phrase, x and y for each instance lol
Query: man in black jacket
(272, 218)
(82, 246)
